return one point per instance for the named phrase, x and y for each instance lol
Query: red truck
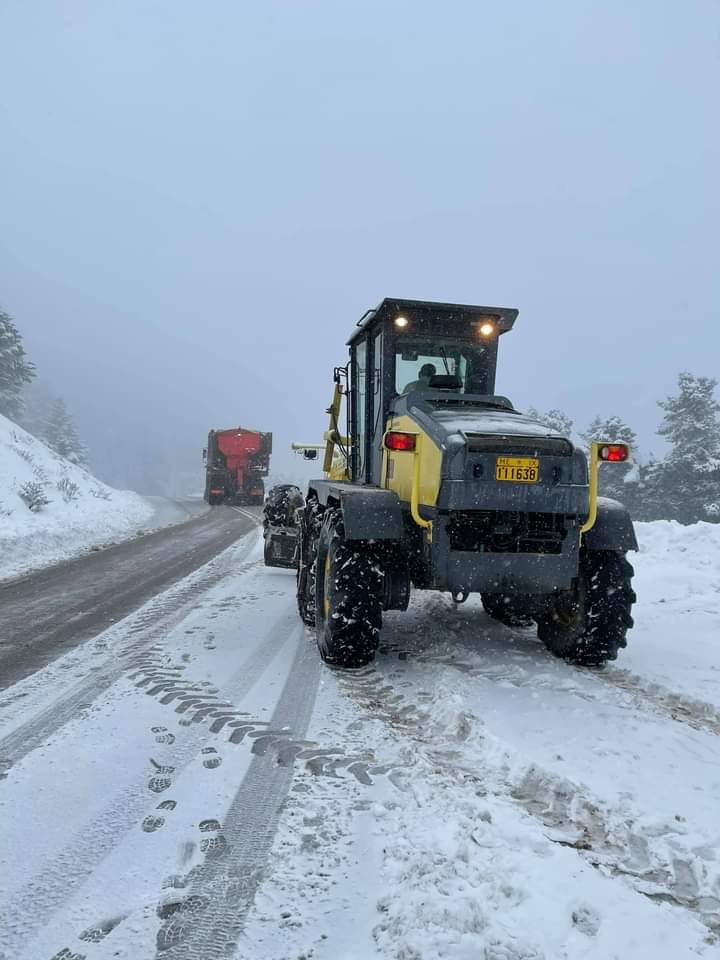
(237, 460)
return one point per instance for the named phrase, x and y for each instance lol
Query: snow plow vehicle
(236, 461)
(280, 529)
(438, 483)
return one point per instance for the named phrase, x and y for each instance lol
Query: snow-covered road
(192, 783)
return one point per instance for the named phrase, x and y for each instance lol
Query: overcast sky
(200, 198)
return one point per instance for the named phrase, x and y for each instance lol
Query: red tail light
(400, 441)
(614, 452)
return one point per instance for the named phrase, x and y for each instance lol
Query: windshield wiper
(443, 354)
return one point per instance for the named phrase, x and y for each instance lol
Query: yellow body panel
(398, 465)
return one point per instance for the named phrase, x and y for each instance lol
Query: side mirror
(310, 454)
(204, 453)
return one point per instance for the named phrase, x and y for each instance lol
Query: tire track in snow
(159, 617)
(666, 703)
(32, 906)
(207, 922)
(248, 514)
(646, 695)
(656, 866)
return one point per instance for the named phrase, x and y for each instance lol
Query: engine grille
(506, 531)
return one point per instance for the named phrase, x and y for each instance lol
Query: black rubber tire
(500, 608)
(267, 553)
(590, 626)
(348, 597)
(308, 534)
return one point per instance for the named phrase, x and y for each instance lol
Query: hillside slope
(51, 509)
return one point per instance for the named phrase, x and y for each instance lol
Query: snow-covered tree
(688, 479)
(618, 480)
(554, 419)
(61, 435)
(37, 405)
(15, 368)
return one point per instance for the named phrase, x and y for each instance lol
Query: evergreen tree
(554, 419)
(621, 481)
(649, 503)
(61, 436)
(37, 405)
(15, 368)
(688, 479)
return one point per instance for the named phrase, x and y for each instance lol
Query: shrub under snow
(52, 509)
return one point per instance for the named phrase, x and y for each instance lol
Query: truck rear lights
(399, 441)
(614, 452)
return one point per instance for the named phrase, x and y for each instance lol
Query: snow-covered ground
(82, 513)
(193, 783)
(677, 639)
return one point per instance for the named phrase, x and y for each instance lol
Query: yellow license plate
(517, 469)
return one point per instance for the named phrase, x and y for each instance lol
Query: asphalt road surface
(45, 614)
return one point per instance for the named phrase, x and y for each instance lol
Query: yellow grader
(436, 482)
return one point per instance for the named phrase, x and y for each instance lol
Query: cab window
(416, 362)
(360, 398)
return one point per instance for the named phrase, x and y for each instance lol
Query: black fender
(613, 528)
(369, 513)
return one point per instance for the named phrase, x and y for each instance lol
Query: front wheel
(588, 625)
(348, 597)
(309, 522)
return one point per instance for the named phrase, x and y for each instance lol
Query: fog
(200, 199)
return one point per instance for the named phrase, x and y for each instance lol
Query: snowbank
(81, 512)
(676, 638)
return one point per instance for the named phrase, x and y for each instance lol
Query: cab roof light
(399, 441)
(614, 452)
(487, 328)
(401, 322)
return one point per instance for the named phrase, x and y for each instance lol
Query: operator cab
(416, 349)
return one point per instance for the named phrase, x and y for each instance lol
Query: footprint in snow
(191, 904)
(98, 932)
(158, 784)
(214, 847)
(163, 735)
(151, 824)
(211, 762)
(586, 919)
(207, 826)
(160, 768)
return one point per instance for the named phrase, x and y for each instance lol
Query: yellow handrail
(415, 492)
(332, 436)
(595, 462)
(593, 492)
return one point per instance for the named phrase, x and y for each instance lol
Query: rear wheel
(589, 624)
(348, 597)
